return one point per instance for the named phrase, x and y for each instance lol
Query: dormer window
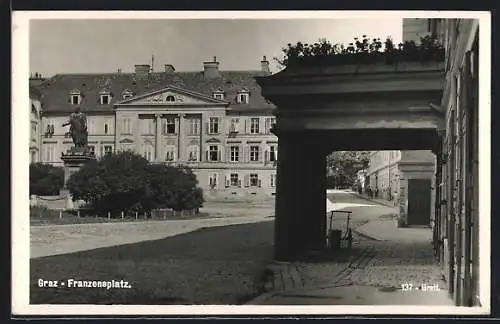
(218, 94)
(170, 98)
(242, 97)
(127, 94)
(75, 97)
(105, 97)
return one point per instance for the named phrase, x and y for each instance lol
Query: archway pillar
(300, 223)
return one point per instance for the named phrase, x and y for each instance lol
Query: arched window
(170, 153)
(170, 98)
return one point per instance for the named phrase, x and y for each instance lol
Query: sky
(106, 45)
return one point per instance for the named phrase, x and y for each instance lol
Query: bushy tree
(345, 165)
(126, 181)
(114, 183)
(45, 179)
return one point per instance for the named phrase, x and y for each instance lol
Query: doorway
(419, 202)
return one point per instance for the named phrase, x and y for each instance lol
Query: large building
(408, 179)
(214, 121)
(35, 121)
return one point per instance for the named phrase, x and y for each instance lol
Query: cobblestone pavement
(370, 262)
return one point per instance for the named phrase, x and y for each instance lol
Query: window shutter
(226, 181)
(245, 131)
(207, 154)
(276, 153)
(266, 157)
(237, 125)
(210, 180)
(261, 129)
(216, 180)
(219, 153)
(261, 154)
(207, 128)
(177, 121)
(228, 153)
(239, 183)
(260, 183)
(247, 180)
(267, 125)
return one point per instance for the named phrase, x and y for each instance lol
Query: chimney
(211, 69)
(264, 65)
(169, 68)
(142, 69)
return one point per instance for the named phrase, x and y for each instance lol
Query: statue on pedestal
(78, 128)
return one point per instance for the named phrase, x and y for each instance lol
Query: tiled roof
(35, 93)
(56, 90)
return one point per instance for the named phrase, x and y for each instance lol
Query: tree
(45, 179)
(344, 165)
(172, 187)
(128, 182)
(114, 183)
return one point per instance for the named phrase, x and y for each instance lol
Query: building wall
(140, 138)
(416, 28)
(35, 124)
(459, 208)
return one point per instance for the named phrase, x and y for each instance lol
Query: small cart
(338, 238)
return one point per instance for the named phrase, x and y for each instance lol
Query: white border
(20, 165)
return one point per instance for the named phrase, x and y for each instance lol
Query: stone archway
(342, 107)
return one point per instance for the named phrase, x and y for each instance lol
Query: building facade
(214, 121)
(457, 234)
(35, 123)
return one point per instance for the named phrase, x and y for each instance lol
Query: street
(220, 261)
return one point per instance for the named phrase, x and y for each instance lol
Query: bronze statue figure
(78, 128)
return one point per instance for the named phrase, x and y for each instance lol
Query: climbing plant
(363, 50)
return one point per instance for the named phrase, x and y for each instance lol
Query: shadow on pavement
(217, 265)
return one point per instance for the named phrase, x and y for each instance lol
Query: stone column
(157, 137)
(300, 223)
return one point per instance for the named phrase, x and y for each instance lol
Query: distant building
(214, 121)
(35, 122)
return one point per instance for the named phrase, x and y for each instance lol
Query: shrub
(45, 179)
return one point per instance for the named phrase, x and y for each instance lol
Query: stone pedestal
(73, 159)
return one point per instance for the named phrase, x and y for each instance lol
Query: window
(170, 153)
(273, 153)
(106, 127)
(92, 149)
(219, 95)
(105, 99)
(235, 153)
(273, 180)
(193, 126)
(254, 125)
(127, 94)
(170, 98)
(193, 153)
(270, 122)
(148, 126)
(254, 153)
(242, 97)
(213, 153)
(33, 130)
(126, 126)
(108, 149)
(212, 180)
(33, 157)
(148, 152)
(126, 147)
(234, 128)
(169, 126)
(234, 180)
(75, 99)
(213, 125)
(254, 179)
(50, 152)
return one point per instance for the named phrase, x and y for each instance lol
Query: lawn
(218, 265)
